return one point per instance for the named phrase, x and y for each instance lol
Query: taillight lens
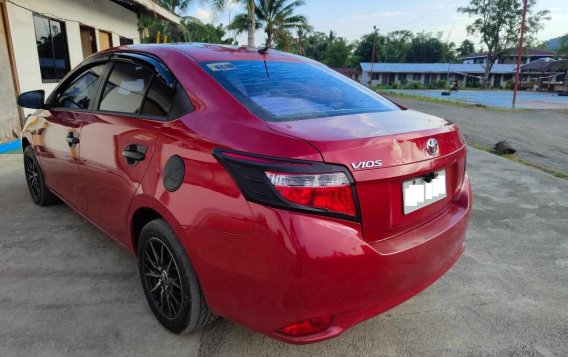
(330, 191)
(298, 185)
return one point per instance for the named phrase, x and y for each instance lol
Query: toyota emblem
(432, 146)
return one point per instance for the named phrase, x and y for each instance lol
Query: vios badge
(432, 146)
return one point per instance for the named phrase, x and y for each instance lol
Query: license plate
(418, 193)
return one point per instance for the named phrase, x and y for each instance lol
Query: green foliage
(405, 46)
(563, 48)
(498, 23)
(466, 48)
(338, 52)
(442, 83)
(432, 85)
(276, 17)
(394, 85)
(416, 85)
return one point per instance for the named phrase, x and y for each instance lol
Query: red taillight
(329, 191)
(306, 327)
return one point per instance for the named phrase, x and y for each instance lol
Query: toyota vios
(254, 185)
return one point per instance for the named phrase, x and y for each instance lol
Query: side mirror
(33, 100)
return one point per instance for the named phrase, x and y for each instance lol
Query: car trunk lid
(382, 150)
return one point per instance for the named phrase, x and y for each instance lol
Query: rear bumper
(294, 267)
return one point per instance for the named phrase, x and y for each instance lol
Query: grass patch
(515, 158)
(455, 103)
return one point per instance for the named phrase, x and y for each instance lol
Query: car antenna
(264, 51)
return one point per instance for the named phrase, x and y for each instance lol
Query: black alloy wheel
(162, 276)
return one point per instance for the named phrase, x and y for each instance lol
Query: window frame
(152, 63)
(63, 27)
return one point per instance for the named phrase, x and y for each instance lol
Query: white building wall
(101, 14)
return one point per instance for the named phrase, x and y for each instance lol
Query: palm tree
(175, 6)
(250, 20)
(275, 16)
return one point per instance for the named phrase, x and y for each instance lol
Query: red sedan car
(254, 185)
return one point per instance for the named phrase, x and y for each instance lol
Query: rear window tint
(282, 91)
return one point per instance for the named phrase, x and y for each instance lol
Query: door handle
(134, 153)
(72, 139)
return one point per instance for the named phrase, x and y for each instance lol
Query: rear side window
(159, 99)
(80, 93)
(124, 91)
(281, 91)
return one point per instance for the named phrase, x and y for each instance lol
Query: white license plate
(417, 193)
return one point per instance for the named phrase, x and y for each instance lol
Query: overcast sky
(354, 18)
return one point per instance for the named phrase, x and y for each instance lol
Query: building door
(105, 40)
(9, 115)
(88, 41)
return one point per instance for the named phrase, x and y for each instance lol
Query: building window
(88, 40)
(105, 40)
(416, 76)
(402, 77)
(52, 48)
(126, 41)
(376, 76)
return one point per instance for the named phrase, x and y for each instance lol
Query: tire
(41, 195)
(170, 285)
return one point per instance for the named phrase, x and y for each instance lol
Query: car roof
(205, 52)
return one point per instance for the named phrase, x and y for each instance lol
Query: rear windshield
(282, 91)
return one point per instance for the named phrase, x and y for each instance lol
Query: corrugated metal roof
(436, 68)
(513, 52)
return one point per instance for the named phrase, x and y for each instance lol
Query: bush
(509, 85)
(431, 85)
(476, 84)
(416, 85)
(442, 84)
(394, 85)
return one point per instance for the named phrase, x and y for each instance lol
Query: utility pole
(370, 82)
(520, 52)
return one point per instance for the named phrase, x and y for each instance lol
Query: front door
(60, 133)
(118, 142)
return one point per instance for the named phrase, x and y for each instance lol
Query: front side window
(52, 48)
(281, 90)
(125, 88)
(81, 92)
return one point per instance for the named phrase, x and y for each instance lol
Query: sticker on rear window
(221, 66)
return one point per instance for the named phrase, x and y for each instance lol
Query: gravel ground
(540, 137)
(67, 290)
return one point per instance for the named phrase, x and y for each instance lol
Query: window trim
(63, 25)
(143, 59)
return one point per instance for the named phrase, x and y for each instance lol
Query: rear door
(118, 139)
(60, 133)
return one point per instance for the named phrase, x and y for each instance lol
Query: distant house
(529, 55)
(427, 73)
(352, 73)
(41, 41)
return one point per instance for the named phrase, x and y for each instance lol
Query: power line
(423, 16)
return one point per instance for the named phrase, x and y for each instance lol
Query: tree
(276, 17)
(175, 6)
(466, 48)
(563, 48)
(426, 49)
(251, 26)
(338, 53)
(364, 48)
(498, 23)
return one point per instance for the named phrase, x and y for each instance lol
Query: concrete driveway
(67, 290)
(539, 136)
